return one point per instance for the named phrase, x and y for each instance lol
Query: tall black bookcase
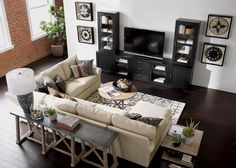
(108, 31)
(184, 51)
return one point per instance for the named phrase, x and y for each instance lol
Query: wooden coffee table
(118, 100)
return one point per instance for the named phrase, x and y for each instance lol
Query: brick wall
(25, 51)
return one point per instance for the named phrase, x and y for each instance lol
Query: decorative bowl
(124, 89)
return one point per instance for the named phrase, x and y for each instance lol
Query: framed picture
(84, 11)
(85, 34)
(213, 54)
(218, 26)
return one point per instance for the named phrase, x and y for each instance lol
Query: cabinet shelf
(176, 160)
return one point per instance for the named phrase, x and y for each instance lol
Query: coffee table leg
(72, 152)
(43, 140)
(17, 129)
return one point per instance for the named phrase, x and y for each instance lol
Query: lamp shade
(21, 81)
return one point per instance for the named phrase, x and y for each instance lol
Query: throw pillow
(61, 84)
(49, 82)
(88, 65)
(41, 88)
(151, 121)
(53, 92)
(133, 116)
(79, 70)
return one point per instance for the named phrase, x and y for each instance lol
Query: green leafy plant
(176, 139)
(55, 29)
(50, 111)
(190, 128)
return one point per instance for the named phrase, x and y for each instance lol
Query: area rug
(175, 106)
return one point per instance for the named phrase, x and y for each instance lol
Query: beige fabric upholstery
(111, 109)
(66, 66)
(55, 70)
(134, 126)
(74, 88)
(88, 80)
(147, 109)
(89, 91)
(67, 105)
(94, 113)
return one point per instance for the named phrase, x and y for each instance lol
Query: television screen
(144, 42)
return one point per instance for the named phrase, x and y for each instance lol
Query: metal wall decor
(213, 54)
(85, 34)
(84, 11)
(218, 26)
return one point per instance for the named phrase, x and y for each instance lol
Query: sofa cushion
(40, 87)
(93, 113)
(49, 82)
(88, 80)
(151, 121)
(55, 70)
(147, 109)
(66, 66)
(61, 84)
(134, 126)
(111, 110)
(75, 88)
(88, 65)
(60, 103)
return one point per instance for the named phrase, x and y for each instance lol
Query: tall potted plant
(55, 30)
(189, 130)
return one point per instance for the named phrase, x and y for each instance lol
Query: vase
(52, 117)
(187, 140)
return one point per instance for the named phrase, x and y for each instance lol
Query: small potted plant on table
(51, 114)
(176, 140)
(188, 131)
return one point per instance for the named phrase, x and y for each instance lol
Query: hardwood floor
(216, 110)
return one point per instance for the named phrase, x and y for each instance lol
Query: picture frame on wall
(85, 34)
(213, 54)
(84, 11)
(218, 26)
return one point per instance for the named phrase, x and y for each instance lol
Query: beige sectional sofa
(137, 141)
(81, 87)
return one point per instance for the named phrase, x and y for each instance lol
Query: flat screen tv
(143, 42)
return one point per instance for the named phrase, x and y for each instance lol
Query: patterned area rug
(175, 106)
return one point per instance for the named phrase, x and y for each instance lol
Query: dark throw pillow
(61, 84)
(41, 88)
(151, 121)
(133, 116)
(49, 82)
(88, 65)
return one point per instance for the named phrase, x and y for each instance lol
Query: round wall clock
(84, 11)
(213, 53)
(86, 34)
(219, 26)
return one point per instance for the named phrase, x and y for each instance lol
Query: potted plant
(176, 140)
(189, 130)
(51, 114)
(55, 30)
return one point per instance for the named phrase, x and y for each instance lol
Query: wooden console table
(191, 150)
(95, 136)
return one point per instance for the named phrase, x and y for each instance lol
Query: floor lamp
(21, 83)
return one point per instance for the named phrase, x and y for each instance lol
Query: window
(38, 11)
(5, 39)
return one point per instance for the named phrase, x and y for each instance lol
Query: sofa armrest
(97, 71)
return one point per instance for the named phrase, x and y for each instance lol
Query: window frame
(6, 33)
(42, 34)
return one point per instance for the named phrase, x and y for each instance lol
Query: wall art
(218, 26)
(84, 11)
(213, 54)
(85, 34)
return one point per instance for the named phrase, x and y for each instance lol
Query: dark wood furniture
(191, 150)
(108, 31)
(184, 51)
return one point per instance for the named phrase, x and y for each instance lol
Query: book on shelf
(159, 80)
(174, 166)
(160, 68)
(109, 91)
(186, 158)
(68, 122)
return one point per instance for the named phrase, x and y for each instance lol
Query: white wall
(161, 15)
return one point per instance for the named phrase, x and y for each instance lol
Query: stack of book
(68, 122)
(186, 158)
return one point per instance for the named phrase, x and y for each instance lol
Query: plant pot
(176, 144)
(57, 50)
(187, 140)
(52, 117)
